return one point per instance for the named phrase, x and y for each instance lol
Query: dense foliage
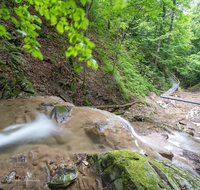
(135, 41)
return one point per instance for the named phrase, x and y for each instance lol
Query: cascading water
(40, 128)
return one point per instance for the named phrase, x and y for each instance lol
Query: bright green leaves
(92, 63)
(68, 53)
(28, 48)
(46, 14)
(2, 30)
(64, 15)
(4, 14)
(37, 53)
(59, 27)
(17, 24)
(53, 19)
(22, 32)
(83, 1)
(73, 39)
(77, 67)
(37, 19)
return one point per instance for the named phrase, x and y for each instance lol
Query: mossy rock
(61, 113)
(27, 87)
(64, 176)
(124, 169)
(9, 90)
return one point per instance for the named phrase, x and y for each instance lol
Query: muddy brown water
(26, 129)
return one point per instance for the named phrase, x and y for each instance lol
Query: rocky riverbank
(47, 137)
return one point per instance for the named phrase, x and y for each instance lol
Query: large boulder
(126, 170)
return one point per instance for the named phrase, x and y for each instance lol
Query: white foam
(40, 128)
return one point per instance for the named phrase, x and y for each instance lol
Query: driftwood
(115, 106)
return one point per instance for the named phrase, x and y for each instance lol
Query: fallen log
(115, 106)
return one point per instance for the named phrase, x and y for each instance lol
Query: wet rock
(98, 136)
(166, 136)
(101, 146)
(101, 125)
(142, 118)
(46, 104)
(63, 176)
(119, 170)
(183, 122)
(27, 87)
(190, 132)
(61, 113)
(178, 127)
(20, 158)
(167, 154)
(10, 177)
(192, 156)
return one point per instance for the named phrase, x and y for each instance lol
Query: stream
(26, 127)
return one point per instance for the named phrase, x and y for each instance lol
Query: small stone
(190, 132)
(166, 154)
(101, 146)
(54, 168)
(165, 136)
(51, 162)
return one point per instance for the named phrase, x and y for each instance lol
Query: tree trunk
(87, 13)
(161, 31)
(157, 53)
(171, 25)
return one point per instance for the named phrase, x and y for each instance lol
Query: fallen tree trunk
(116, 106)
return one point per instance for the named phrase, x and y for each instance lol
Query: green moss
(60, 109)
(87, 103)
(117, 113)
(134, 171)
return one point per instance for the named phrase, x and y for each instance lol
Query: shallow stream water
(23, 135)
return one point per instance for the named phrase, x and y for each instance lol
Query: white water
(41, 127)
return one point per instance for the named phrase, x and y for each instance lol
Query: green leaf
(27, 46)
(18, 1)
(4, 11)
(74, 52)
(22, 32)
(89, 63)
(83, 1)
(73, 39)
(90, 44)
(2, 30)
(59, 27)
(53, 20)
(37, 53)
(69, 51)
(77, 68)
(46, 14)
(37, 19)
(15, 21)
(6, 17)
(76, 16)
(67, 28)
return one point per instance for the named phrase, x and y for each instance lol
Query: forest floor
(55, 71)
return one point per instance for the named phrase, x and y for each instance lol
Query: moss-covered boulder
(63, 176)
(10, 90)
(61, 113)
(126, 170)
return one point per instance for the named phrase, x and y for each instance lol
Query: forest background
(99, 51)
